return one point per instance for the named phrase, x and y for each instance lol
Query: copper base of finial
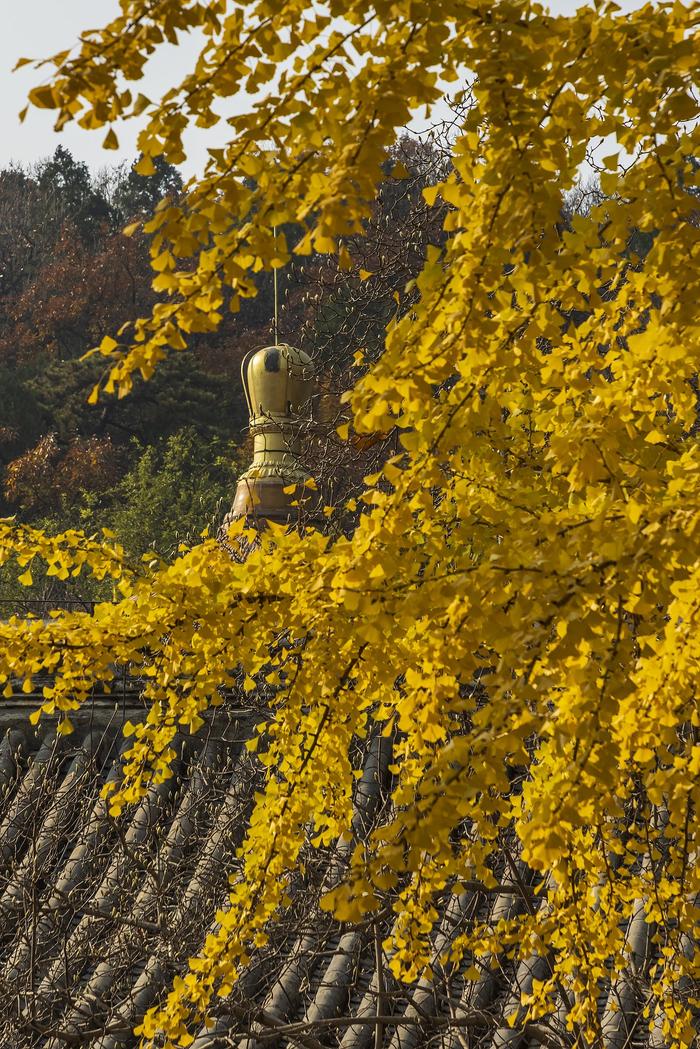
(264, 498)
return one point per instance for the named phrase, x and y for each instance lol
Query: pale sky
(38, 28)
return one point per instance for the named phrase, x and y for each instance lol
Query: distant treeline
(159, 465)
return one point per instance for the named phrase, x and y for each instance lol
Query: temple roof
(99, 914)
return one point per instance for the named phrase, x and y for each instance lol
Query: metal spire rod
(274, 279)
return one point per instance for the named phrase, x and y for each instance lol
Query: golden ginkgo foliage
(542, 519)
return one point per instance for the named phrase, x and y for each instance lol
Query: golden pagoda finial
(279, 385)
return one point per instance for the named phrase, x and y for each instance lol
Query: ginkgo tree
(541, 520)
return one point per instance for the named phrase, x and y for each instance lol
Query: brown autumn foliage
(78, 294)
(48, 477)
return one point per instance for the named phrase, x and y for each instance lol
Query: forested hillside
(158, 466)
(69, 276)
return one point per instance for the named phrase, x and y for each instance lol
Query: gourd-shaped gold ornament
(279, 385)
